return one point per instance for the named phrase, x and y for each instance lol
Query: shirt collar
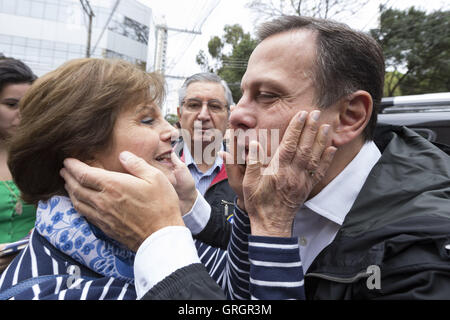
(189, 160)
(337, 198)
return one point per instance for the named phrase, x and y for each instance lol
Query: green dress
(14, 225)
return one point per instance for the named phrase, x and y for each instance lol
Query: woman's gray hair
(205, 77)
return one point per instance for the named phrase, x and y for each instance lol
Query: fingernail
(302, 116)
(333, 151)
(125, 156)
(315, 115)
(326, 129)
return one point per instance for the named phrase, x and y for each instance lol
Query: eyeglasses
(195, 105)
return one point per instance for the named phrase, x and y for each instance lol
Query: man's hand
(184, 186)
(273, 193)
(127, 207)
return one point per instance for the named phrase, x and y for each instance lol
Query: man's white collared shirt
(320, 218)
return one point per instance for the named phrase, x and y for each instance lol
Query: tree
(268, 9)
(229, 55)
(416, 46)
(391, 87)
(171, 118)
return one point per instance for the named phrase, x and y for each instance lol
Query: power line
(198, 25)
(107, 23)
(375, 16)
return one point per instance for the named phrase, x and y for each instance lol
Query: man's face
(204, 113)
(278, 83)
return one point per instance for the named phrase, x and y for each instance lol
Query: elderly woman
(90, 109)
(16, 217)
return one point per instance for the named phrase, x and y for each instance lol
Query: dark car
(427, 114)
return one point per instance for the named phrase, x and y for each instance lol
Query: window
(129, 28)
(9, 6)
(18, 51)
(19, 41)
(23, 7)
(61, 46)
(5, 39)
(51, 12)
(47, 44)
(37, 9)
(46, 52)
(33, 43)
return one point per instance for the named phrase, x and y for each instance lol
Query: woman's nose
(168, 132)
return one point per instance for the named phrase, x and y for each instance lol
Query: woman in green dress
(16, 217)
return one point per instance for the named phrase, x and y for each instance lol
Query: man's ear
(179, 112)
(354, 113)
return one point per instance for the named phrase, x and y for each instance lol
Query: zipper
(355, 278)
(226, 204)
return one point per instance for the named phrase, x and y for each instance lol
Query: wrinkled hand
(273, 193)
(126, 207)
(184, 185)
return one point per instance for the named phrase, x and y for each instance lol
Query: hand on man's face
(127, 207)
(272, 193)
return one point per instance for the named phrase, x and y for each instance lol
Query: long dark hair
(14, 71)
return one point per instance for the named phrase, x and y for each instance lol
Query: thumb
(137, 166)
(176, 161)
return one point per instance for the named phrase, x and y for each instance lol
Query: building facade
(46, 33)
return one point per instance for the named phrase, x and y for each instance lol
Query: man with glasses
(204, 108)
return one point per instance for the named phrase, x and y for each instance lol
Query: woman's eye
(11, 105)
(147, 120)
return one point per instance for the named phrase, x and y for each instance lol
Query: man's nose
(242, 116)
(204, 112)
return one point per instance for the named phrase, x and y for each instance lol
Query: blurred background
(179, 38)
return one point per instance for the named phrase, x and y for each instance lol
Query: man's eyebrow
(193, 99)
(200, 100)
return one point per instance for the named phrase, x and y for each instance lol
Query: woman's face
(9, 107)
(143, 131)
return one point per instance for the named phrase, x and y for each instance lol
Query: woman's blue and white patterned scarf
(69, 232)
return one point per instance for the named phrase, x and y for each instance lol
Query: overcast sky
(213, 15)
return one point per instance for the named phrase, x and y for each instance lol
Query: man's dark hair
(346, 61)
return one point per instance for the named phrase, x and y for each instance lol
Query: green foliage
(416, 46)
(229, 55)
(391, 87)
(171, 118)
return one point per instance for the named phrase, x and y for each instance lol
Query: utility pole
(88, 10)
(161, 46)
